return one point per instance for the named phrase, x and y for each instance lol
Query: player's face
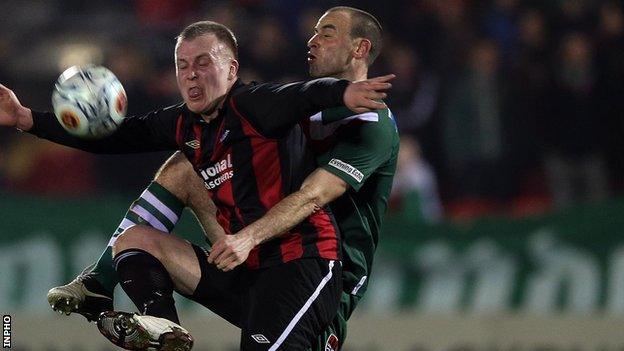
(205, 70)
(331, 46)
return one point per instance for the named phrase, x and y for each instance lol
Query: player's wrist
(24, 119)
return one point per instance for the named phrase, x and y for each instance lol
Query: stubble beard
(322, 71)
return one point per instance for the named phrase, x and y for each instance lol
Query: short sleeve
(362, 147)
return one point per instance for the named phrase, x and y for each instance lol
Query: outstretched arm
(152, 132)
(273, 109)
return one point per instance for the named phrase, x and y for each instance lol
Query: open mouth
(194, 93)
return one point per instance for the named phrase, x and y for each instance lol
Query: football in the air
(89, 101)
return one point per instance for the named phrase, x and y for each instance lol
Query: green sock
(156, 207)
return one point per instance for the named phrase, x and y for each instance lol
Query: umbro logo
(193, 144)
(260, 339)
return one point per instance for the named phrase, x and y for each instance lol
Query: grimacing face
(330, 48)
(205, 70)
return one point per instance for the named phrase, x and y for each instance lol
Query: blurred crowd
(504, 106)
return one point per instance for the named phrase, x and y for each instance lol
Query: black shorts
(284, 307)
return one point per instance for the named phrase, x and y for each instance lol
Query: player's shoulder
(164, 112)
(343, 115)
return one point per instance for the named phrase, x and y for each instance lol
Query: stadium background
(505, 229)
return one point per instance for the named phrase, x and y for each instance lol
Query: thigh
(220, 292)
(289, 305)
(178, 177)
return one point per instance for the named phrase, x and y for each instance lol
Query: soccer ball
(89, 101)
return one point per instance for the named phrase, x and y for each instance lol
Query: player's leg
(160, 206)
(151, 264)
(289, 305)
(92, 291)
(334, 336)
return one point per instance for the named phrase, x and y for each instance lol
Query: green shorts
(335, 334)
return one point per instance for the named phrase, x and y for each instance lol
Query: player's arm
(363, 147)
(318, 189)
(273, 109)
(152, 132)
(206, 212)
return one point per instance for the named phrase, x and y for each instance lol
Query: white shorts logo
(260, 339)
(347, 168)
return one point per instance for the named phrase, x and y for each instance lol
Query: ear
(363, 48)
(233, 70)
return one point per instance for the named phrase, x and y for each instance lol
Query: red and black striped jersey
(251, 156)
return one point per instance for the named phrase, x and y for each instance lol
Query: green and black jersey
(362, 150)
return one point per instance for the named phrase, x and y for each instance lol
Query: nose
(312, 43)
(192, 75)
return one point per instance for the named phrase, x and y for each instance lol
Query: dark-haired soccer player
(356, 154)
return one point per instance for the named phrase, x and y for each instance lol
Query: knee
(137, 237)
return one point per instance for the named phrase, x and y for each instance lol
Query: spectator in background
(416, 89)
(610, 84)
(164, 16)
(571, 15)
(474, 133)
(530, 90)
(415, 188)
(501, 26)
(270, 52)
(455, 35)
(575, 164)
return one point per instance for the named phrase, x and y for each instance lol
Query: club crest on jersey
(332, 343)
(224, 135)
(218, 173)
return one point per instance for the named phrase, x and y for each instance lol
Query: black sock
(147, 283)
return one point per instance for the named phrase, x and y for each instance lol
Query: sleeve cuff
(339, 89)
(42, 121)
(349, 176)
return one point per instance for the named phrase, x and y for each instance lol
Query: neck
(354, 73)
(213, 110)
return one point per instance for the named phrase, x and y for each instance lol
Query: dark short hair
(223, 34)
(364, 25)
